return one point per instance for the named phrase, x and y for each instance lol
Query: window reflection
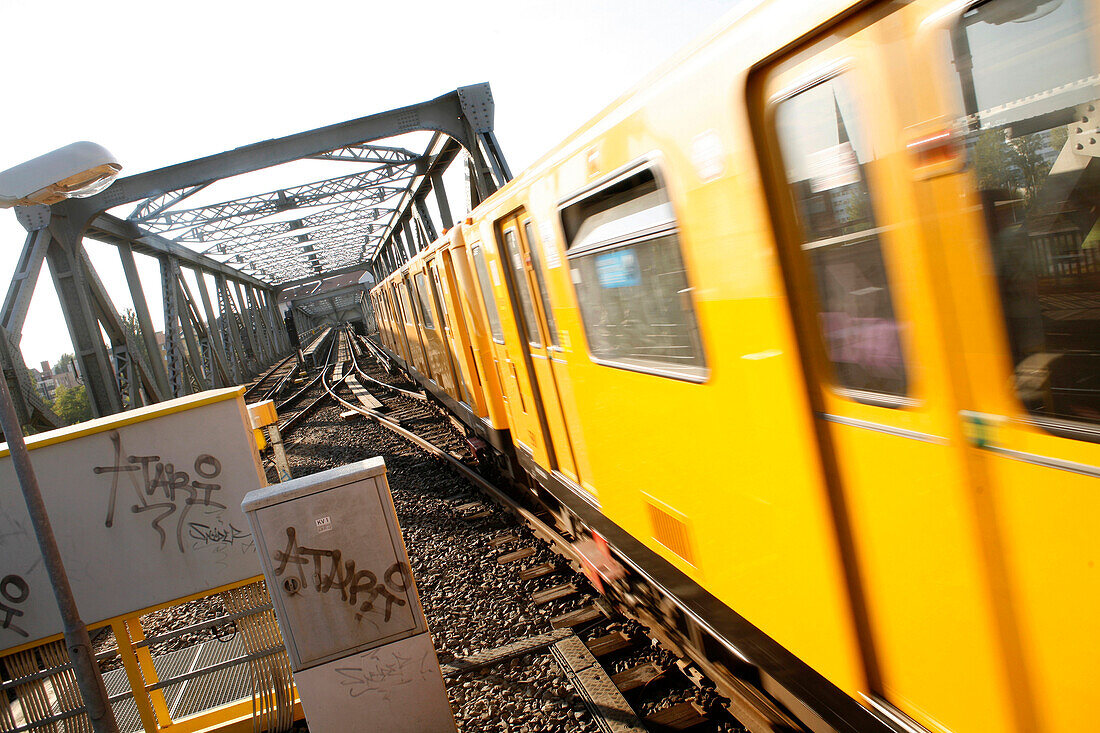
(1030, 86)
(826, 159)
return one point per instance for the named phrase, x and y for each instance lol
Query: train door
(836, 121)
(457, 388)
(431, 331)
(409, 332)
(513, 362)
(474, 297)
(1024, 272)
(539, 342)
(464, 361)
(419, 352)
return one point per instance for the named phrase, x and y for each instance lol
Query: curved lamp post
(74, 171)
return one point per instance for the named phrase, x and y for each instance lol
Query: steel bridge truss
(222, 320)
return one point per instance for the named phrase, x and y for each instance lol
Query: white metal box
(336, 566)
(343, 592)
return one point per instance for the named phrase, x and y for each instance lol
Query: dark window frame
(570, 227)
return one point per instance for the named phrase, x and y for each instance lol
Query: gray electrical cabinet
(346, 602)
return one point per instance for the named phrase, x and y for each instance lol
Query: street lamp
(74, 171)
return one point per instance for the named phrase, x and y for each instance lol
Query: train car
(805, 328)
(455, 363)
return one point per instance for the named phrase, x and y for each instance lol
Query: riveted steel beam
(444, 114)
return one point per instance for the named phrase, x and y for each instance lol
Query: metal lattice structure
(229, 268)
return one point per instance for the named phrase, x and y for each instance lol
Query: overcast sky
(163, 82)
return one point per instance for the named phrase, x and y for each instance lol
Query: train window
(422, 300)
(487, 294)
(437, 293)
(406, 304)
(1029, 81)
(826, 157)
(394, 320)
(536, 263)
(623, 246)
(523, 291)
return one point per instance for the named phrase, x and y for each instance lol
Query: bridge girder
(222, 322)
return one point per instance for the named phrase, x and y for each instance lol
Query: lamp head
(77, 170)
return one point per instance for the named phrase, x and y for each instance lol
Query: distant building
(47, 380)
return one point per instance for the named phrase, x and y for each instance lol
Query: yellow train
(807, 327)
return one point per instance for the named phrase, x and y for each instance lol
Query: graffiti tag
(159, 480)
(358, 588)
(382, 672)
(14, 590)
(204, 534)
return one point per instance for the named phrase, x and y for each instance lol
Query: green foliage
(133, 330)
(63, 362)
(72, 405)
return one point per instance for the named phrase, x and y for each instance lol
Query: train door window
(422, 300)
(437, 291)
(523, 292)
(623, 246)
(487, 294)
(826, 156)
(1028, 76)
(536, 264)
(406, 304)
(395, 317)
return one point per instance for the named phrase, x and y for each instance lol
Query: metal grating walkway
(195, 695)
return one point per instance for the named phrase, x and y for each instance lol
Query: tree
(63, 362)
(133, 330)
(72, 405)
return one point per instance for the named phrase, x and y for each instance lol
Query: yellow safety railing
(38, 689)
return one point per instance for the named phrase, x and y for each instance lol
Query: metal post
(258, 321)
(145, 321)
(77, 641)
(246, 322)
(76, 305)
(169, 273)
(231, 332)
(441, 201)
(23, 281)
(214, 332)
(425, 216)
(410, 241)
(282, 465)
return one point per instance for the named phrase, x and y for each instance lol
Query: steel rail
(255, 385)
(287, 425)
(281, 384)
(408, 393)
(538, 526)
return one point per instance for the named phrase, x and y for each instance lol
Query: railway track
(604, 661)
(271, 381)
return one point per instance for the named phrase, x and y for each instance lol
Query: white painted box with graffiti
(145, 507)
(343, 592)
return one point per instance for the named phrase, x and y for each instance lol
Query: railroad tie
(636, 677)
(366, 399)
(602, 646)
(537, 571)
(576, 618)
(517, 555)
(681, 716)
(555, 593)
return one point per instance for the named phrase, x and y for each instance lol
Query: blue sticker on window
(618, 269)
